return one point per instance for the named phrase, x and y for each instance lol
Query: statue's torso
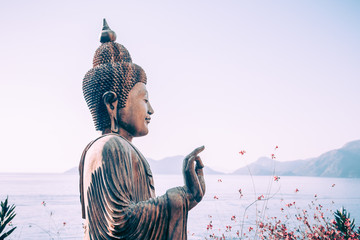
(113, 168)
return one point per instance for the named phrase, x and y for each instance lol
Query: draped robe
(118, 197)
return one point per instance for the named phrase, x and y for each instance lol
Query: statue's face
(135, 116)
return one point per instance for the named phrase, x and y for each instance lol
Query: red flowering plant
(293, 222)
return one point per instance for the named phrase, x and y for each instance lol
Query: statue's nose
(150, 109)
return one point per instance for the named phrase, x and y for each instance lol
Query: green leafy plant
(7, 214)
(343, 222)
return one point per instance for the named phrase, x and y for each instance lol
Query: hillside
(173, 165)
(266, 166)
(343, 162)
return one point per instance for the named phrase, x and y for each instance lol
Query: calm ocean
(48, 207)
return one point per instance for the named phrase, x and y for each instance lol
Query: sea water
(48, 205)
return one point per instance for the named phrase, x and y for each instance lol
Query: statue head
(114, 89)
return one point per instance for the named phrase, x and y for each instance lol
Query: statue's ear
(111, 102)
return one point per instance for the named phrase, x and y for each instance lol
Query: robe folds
(118, 197)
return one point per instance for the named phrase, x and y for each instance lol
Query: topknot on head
(107, 35)
(110, 51)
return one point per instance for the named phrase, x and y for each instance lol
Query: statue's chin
(138, 132)
(134, 129)
(141, 134)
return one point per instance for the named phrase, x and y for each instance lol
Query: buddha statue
(117, 191)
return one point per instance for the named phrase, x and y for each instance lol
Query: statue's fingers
(188, 170)
(199, 166)
(192, 154)
(191, 164)
(197, 188)
(202, 184)
(199, 194)
(200, 174)
(199, 163)
(196, 151)
(199, 171)
(192, 173)
(192, 176)
(186, 162)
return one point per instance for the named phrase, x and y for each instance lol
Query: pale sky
(230, 75)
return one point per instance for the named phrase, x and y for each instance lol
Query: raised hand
(194, 176)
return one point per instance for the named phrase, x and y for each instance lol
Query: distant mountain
(173, 165)
(266, 166)
(74, 170)
(343, 162)
(169, 165)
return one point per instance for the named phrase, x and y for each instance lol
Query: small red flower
(242, 152)
(333, 185)
(219, 180)
(273, 156)
(296, 190)
(260, 197)
(209, 226)
(276, 178)
(215, 197)
(240, 193)
(347, 223)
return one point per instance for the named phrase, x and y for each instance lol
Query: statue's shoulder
(102, 146)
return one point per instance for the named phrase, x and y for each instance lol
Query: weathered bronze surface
(116, 184)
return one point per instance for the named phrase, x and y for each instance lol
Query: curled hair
(114, 71)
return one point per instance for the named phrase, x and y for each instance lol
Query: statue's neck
(122, 132)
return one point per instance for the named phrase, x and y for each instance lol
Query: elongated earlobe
(111, 102)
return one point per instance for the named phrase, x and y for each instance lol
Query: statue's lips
(147, 120)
